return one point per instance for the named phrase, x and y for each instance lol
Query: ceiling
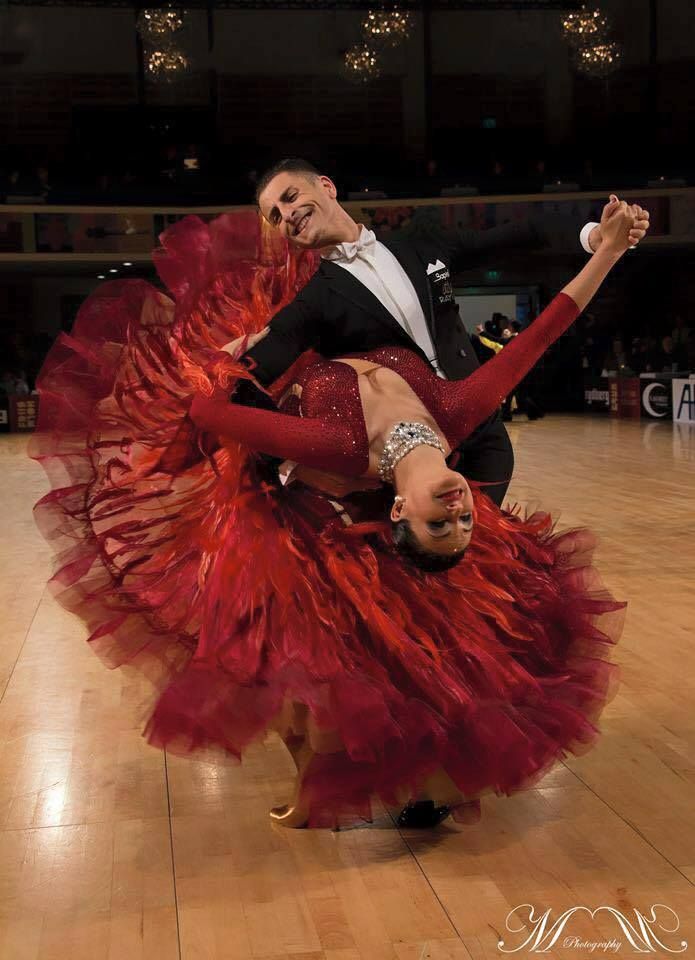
(313, 4)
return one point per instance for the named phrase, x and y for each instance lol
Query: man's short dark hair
(408, 546)
(288, 165)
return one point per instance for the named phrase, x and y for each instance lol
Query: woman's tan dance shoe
(296, 813)
(290, 815)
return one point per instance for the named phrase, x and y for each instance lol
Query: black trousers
(525, 401)
(487, 455)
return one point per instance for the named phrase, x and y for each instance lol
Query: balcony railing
(44, 233)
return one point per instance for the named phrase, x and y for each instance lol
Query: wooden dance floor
(111, 850)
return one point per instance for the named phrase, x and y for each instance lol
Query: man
(367, 294)
(671, 358)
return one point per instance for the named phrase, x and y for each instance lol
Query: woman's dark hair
(288, 165)
(408, 546)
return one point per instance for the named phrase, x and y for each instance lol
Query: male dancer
(369, 293)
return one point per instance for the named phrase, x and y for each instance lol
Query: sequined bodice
(330, 390)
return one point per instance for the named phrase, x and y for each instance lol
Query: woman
(251, 612)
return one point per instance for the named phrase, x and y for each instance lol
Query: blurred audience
(14, 383)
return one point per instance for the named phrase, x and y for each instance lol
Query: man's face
(301, 208)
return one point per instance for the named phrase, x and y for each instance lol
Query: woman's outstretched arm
(469, 402)
(322, 444)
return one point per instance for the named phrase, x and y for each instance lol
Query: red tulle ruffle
(245, 617)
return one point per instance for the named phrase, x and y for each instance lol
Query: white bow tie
(363, 246)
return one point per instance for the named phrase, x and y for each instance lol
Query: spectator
(22, 185)
(587, 177)
(671, 358)
(192, 172)
(432, 182)
(103, 189)
(43, 181)
(639, 356)
(538, 177)
(615, 361)
(593, 344)
(497, 179)
(169, 167)
(680, 333)
(690, 354)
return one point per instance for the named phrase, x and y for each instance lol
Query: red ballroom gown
(252, 611)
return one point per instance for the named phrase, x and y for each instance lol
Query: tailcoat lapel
(348, 286)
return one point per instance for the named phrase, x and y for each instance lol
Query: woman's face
(440, 512)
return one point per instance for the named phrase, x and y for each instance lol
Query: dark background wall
(69, 77)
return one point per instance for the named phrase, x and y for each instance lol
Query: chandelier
(600, 59)
(166, 64)
(163, 60)
(587, 25)
(388, 27)
(155, 26)
(361, 63)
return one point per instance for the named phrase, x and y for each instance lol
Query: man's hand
(235, 346)
(637, 232)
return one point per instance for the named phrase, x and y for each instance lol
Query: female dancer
(381, 678)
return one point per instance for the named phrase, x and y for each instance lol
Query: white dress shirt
(373, 264)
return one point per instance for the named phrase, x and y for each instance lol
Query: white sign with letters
(684, 400)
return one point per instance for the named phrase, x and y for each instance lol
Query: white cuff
(584, 235)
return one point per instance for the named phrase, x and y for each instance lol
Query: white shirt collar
(347, 251)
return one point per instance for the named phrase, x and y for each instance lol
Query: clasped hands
(640, 225)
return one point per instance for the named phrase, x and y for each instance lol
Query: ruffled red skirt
(248, 617)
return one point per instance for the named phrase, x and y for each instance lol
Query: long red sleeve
(466, 403)
(324, 444)
(341, 446)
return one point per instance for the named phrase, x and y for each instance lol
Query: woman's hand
(616, 228)
(242, 344)
(638, 231)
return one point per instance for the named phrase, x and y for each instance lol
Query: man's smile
(302, 223)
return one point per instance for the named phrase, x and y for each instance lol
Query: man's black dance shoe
(421, 814)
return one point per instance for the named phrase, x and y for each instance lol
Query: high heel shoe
(422, 814)
(296, 813)
(290, 815)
